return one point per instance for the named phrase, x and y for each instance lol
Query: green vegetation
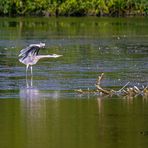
(73, 7)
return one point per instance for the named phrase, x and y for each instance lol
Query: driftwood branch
(124, 91)
(98, 85)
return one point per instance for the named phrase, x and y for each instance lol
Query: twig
(123, 87)
(98, 82)
(102, 90)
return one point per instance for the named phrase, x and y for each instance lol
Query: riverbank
(114, 8)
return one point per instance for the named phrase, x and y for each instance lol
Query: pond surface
(50, 113)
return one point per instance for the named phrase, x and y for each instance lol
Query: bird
(30, 55)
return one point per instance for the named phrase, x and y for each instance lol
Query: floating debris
(124, 91)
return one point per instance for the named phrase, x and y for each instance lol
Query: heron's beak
(57, 56)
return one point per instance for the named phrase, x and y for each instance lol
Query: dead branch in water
(98, 85)
(124, 91)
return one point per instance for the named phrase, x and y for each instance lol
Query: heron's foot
(30, 87)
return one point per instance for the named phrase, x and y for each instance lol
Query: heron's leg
(27, 66)
(31, 81)
(27, 85)
(26, 76)
(27, 69)
(31, 71)
(31, 76)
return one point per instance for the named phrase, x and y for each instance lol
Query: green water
(51, 114)
(73, 123)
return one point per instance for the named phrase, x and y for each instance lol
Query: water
(51, 113)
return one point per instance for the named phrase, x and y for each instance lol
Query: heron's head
(42, 45)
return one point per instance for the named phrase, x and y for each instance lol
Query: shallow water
(50, 113)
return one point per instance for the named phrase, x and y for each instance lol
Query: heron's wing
(30, 50)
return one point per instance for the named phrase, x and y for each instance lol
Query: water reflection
(35, 113)
(29, 93)
(33, 93)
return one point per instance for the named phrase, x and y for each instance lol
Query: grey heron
(29, 55)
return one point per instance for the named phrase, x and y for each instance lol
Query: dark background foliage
(73, 7)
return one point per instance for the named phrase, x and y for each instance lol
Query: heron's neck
(44, 56)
